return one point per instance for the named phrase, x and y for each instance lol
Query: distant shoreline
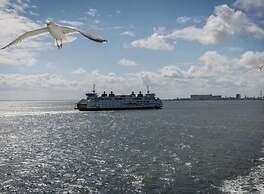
(223, 99)
(174, 99)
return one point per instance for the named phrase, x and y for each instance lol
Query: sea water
(186, 147)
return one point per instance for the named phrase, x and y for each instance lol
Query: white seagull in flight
(58, 32)
(260, 67)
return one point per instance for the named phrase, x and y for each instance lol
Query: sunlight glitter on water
(36, 113)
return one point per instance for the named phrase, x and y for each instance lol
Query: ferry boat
(93, 102)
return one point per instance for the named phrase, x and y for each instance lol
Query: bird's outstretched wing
(27, 35)
(260, 67)
(68, 30)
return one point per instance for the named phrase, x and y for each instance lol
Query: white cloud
(19, 6)
(254, 7)
(128, 33)
(182, 19)
(24, 53)
(4, 3)
(159, 30)
(218, 74)
(34, 81)
(214, 73)
(251, 59)
(92, 12)
(33, 13)
(79, 71)
(224, 22)
(17, 57)
(249, 4)
(154, 42)
(193, 19)
(72, 23)
(127, 62)
(172, 71)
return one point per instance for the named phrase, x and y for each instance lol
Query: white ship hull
(119, 102)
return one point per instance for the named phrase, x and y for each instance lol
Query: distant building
(238, 96)
(206, 97)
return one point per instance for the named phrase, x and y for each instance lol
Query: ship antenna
(93, 88)
(148, 89)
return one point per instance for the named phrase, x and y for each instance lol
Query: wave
(251, 183)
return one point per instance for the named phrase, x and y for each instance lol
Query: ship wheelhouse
(91, 96)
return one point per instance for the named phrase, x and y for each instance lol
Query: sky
(176, 47)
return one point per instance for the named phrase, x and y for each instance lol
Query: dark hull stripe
(127, 108)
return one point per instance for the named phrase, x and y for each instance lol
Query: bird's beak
(48, 22)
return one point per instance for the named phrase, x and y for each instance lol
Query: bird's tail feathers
(68, 39)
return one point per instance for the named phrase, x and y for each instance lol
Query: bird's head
(49, 23)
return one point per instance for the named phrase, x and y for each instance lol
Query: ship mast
(147, 89)
(93, 88)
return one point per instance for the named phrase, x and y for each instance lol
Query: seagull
(58, 32)
(260, 67)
